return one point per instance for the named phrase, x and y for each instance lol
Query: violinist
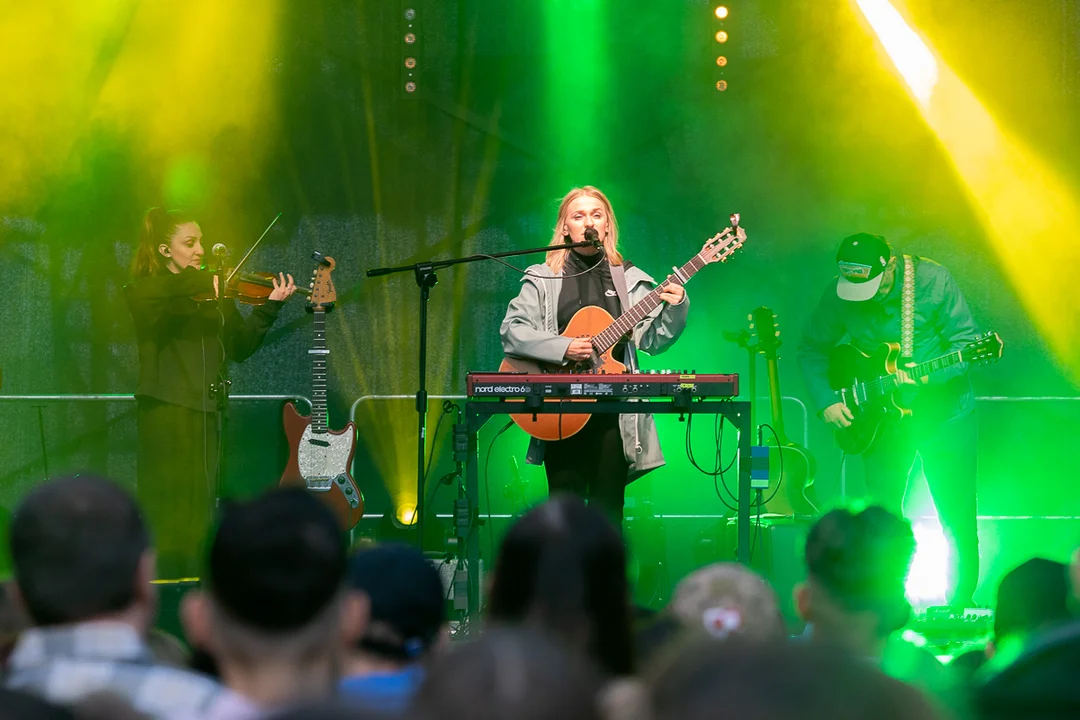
(182, 344)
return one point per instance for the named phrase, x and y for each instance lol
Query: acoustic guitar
(605, 331)
(790, 465)
(320, 458)
(870, 388)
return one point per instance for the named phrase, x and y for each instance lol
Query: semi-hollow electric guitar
(869, 386)
(791, 465)
(320, 458)
(605, 331)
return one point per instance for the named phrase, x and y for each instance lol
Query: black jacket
(179, 349)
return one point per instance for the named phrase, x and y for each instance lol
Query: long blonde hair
(556, 259)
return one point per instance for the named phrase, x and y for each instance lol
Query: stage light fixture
(721, 37)
(410, 14)
(410, 38)
(410, 87)
(721, 85)
(410, 62)
(721, 61)
(721, 12)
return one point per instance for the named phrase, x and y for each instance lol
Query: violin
(250, 288)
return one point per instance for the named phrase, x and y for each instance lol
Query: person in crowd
(598, 461)
(562, 569)
(274, 612)
(406, 624)
(854, 596)
(509, 674)
(183, 342)
(12, 622)
(753, 680)
(865, 303)
(727, 599)
(1031, 598)
(83, 565)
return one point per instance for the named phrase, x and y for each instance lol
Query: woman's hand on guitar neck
(838, 415)
(580, 349)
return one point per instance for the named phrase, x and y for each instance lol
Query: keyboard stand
(478, 412)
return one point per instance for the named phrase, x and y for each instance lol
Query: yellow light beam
(1029, 213)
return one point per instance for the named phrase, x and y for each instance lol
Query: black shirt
(591, 288)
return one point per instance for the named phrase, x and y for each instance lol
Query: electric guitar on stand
(790, 464)
(320, 458)
(869, 386)
(605, 331)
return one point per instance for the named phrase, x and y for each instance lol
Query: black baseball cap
(862, 258)
(407, 600)
(276, 562)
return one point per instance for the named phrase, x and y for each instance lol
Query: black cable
(717, 473)
(757, 527)
(487, 486)
(447, 408)
(779, 452)
(526, 273)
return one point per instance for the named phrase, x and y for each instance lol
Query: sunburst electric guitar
(605, 331)
(870, 388)
(320, 458)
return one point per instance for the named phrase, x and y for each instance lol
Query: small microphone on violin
(219, 250)
(593, 237)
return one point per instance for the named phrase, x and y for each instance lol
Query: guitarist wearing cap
(884, 406)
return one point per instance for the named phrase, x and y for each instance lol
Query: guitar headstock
(985, 348)
(763, 325)
(323, 294)
(723, 244)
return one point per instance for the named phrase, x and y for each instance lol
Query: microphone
(592, 236)
(219, 250)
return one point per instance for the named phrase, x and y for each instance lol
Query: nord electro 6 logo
(502, 390)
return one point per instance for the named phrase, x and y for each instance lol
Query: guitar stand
(478, 412)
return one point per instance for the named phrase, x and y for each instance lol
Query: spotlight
(721, 12)
(410, 62)
(721, 85)
(721, 61)
(410, 87)
(410, 14)
(410, 38)
(405, 514)
(721, 37)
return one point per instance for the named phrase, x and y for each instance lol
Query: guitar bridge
(319, 483)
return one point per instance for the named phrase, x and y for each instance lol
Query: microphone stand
(219, 389)
(424, 273)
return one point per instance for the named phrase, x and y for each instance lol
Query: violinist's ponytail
(157, 227)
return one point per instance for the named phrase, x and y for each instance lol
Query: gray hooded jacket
(530, 330)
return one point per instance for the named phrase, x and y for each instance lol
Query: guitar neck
(626, 322)
(940, 363)
(888, 383)
(319, 357)
(775, 399)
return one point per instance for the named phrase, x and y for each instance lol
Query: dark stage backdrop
(516, 103)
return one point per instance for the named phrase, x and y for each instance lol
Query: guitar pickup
(318, 443)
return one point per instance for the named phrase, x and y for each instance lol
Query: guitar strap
(907, 311)
(618, 279)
